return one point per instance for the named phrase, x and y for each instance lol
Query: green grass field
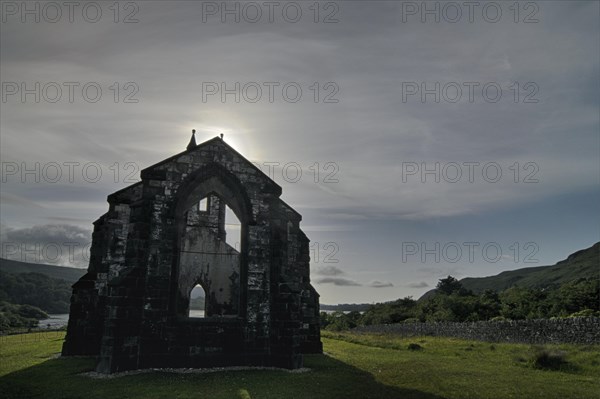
(357, 366)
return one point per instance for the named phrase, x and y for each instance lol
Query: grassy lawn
(454, 368)
(358, 366)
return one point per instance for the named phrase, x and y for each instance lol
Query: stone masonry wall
(130, 309)
(580, 330)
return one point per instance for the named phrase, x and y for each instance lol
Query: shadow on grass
(328, 379)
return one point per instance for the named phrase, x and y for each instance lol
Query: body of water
(196, 313)
(55, 321)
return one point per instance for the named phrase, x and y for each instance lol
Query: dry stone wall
(579, 330)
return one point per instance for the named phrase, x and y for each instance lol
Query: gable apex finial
(192, 142)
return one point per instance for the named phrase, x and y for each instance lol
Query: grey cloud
(48, 233)
(380, 284)
(59, 244)
(342, 282)
(396, 130)
(328, 270)
(368, 134)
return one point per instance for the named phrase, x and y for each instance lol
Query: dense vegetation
(452, 302)
(583, 264)
(49, 294)
(19, 316)
(28, 291)
(357, 366)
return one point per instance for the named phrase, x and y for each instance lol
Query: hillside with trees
(35, 289)
(19, 316)
(30, 291)
(568, 289)
(583, 264)
(452, 302)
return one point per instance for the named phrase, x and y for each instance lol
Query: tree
(338, 321)
(575, 296)
(488, 305)
(448, 285)
(390, 312)
(522, 303)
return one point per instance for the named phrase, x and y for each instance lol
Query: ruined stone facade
(156, 243)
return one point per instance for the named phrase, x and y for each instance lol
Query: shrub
(19, 316)
(414, 347)
(547, 359)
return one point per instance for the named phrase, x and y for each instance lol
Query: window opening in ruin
(203, 205)
(197, 306)
(233, 230)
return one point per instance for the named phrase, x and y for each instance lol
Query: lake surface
(55, 321)
(196, 313)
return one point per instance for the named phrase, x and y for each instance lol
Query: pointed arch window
(197, 306)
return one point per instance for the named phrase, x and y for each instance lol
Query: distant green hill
(69, 274)
(579, 265)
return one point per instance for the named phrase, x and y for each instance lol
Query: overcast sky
(345, 104)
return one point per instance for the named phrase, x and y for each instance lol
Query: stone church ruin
(166, 234)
